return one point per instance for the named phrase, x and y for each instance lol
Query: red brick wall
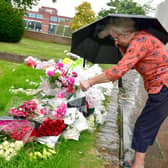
(45, 23)
(47, 37)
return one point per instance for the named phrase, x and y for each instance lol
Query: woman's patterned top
(148, 55)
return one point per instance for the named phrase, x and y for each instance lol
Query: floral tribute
(17, 129)
(59, 108)
(31, 62)
(50, 127)
(28, 109)
(59, 78)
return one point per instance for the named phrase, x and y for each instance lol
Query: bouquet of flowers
(28, 110)
(17, 129)
(62, 81)
(31, 62)
(50, 127)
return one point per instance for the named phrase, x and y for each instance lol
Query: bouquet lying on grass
(60, 108)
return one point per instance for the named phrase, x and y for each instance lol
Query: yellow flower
(67, 61)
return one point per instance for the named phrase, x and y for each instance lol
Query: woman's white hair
(118, 25)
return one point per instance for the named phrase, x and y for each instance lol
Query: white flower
(10, 150)
(12, 145)
(8, 158)
(18, 145)
(5, 144)
(58, 71)
(7, 153)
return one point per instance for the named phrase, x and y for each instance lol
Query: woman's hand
(85, 85)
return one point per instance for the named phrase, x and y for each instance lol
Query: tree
(23, 4)
(12, 25)
(125, 7)
(84, 15)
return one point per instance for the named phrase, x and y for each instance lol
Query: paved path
(157, 156)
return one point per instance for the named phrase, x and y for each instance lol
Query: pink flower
(60, 111)
(63, 73)
(31, 63)
(74, 74)
(60, 65)
(50, 73)
(60, 95)
(71, 80)
(43, 111)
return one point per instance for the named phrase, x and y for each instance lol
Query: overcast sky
(67, 7)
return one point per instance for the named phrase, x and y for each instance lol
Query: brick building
(47, 21)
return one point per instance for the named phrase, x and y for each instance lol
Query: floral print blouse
(148, 55)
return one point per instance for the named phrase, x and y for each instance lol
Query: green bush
(11, 23)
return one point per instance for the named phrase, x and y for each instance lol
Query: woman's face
(121, 39)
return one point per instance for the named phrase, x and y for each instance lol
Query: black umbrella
(87, 44)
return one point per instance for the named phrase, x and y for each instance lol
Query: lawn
(69, 153)
(40, 49)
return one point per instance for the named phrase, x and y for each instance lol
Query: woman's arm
(86, 84)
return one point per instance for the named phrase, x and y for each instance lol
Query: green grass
(12, 74)
(70, 153)
(40, 49)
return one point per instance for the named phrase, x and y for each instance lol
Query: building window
(32, 15)
(33, 26)
(60, 29)
(53, 19)
(67, 20)
(38, 27)
(67, 31)
(38, 16)
(62, 20)
(51, 29)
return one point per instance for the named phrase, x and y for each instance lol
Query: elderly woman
(149, 57)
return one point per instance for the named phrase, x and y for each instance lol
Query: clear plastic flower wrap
(17, 129)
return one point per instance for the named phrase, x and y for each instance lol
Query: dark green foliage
(23, 4)
(11, 23)
(125, 7)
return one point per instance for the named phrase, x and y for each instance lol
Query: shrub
(11, 23)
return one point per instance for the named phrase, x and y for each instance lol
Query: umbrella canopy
(87, 44)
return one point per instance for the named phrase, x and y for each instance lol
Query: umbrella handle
(84, 62)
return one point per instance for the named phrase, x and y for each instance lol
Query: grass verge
(69, 153)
